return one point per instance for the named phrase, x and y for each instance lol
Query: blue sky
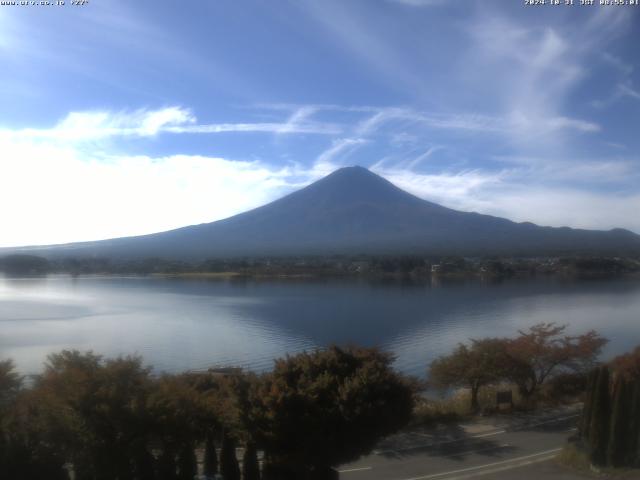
(122, 118)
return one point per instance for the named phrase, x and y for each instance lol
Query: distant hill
(353, 211)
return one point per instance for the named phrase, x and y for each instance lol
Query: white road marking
(360, 469)
(504, 468)
(491, 434)
(479, 467)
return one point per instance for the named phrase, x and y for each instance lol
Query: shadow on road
(453, 443)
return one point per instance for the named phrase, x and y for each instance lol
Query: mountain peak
(351, 169)
(352, 173)
(355, 183)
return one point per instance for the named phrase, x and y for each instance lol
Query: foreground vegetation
(108, 419)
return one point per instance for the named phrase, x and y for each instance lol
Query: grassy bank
(457, 406)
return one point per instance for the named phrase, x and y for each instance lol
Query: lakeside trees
(528, 360)
(416, 267)
(544, 350)
(474, 366)
(111, 419)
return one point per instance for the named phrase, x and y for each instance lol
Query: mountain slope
(354, 210)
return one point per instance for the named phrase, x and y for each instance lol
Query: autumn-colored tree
(182, 414)
(544, 350)
(481, 363)
(102, 407)
(320, 409)
(26, 447)
(628, 364)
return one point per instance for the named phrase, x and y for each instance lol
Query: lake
(180, 324)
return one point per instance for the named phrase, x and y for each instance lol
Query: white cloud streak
(629, 92)
(84, 126)
(340, 148)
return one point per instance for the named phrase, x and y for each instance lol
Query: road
(523, 451)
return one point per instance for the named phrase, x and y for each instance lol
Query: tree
(628, 364)
(187, 462)
(210, 456)
(585, 421)
(316, 410)
(543, 351)
(611, 418)
(143, 462)
(625, 422)
(10, 383)
(229, 467)
(182, 415)
(24, 265)
(167, 468)
(600, 411)
(474, 366)
(634, 425)
(620, 434)
(26, 449)
(250, 466)
(100, 417)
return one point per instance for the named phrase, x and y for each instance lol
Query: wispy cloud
(84, 126)
(422, 157)
(349, 28)
(340, 148)
(619, 64)
(278, 128)
(629, 91)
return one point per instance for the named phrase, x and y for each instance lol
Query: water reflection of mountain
(373, 313)
(178, 323)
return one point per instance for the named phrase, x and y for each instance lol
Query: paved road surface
(523, 451)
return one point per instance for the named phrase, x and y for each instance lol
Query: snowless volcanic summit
(353, 211)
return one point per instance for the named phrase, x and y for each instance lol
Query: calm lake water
(178, 324)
